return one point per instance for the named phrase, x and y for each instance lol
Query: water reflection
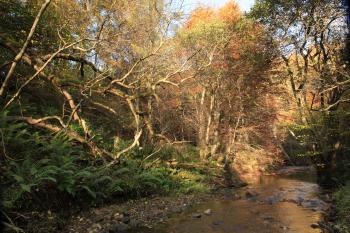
(279, 207)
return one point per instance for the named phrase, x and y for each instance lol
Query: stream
(270, 204)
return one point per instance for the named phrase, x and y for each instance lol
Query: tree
(112, 57)
(230, 57)
(310, 38)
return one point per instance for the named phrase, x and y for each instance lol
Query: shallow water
(283, 204)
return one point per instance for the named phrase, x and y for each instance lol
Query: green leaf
(92, 193)
(18, 178)
(26, 187)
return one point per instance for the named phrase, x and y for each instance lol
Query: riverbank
(338, 218)
(144, 212)
(148, 196)
(265, 201)
(275, 203)
(274, 191)
(151, 211)
(222, 182)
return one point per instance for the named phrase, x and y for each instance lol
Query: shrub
(342, 200)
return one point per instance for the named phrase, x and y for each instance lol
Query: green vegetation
(42, 171)
(342, 201)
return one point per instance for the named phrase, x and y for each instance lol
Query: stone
(314, 204)
(176, 210)
(216, 223)
(251, 194)
(208, 212)
(97, 226)
(300, 200)
(117, 216)
(125, 219)
(99, 218)
(315, 225)
(236, 196)
(255, 211)
(196, 215)
(272, 200)
(241, 184)
(267, 217)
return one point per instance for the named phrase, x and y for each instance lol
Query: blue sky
(244, 4)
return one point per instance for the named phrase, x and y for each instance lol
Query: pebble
(236, 196)
(176, 210)
(125, 219)
(266, 222)
(196, 215)
(251, 194)
(216, 223)
(255, 211)
(208, 212)
(267, 217)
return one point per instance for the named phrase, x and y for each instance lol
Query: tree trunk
(24, 47)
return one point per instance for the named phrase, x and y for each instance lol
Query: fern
(51, 162)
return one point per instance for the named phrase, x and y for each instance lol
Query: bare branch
(71, 57)
(24, 47)
(136, 141)
(38, 72)
(336, 103)
(138, 63)
(335, 86)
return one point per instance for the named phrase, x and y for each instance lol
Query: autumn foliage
(226, 102)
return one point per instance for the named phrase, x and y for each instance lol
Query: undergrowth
(42, 171)
(342, 201)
